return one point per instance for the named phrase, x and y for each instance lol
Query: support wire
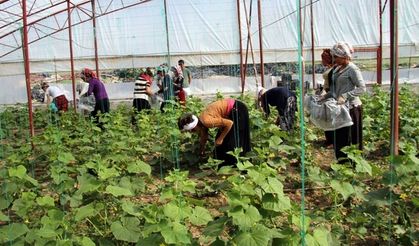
(302, 129)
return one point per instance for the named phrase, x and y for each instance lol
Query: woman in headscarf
(178, 80)
(346, 86)
(284, 101)
(327, 61)
(99, 91)
(55, 95)
(231, 117)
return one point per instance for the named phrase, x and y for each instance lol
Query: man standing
(187, 78)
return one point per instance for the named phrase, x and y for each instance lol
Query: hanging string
(302, 130)
(249, 40)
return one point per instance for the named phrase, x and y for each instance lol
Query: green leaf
(362, 166)
(273, 186)
(173, 211)
(258, 236)
(415, 201)
(310, 240)
(130, 208)
(200, 216)
(118, 191)
(66, 157)
(105, 173)
(275, 203)
(152, 240)
(139, 167)
(245, 218)
(380, 197)
(19, 171)
(343, 188)
(297, 221)
(4, 217)
(45, 201)
(123, 233)
(46, 232)
(322, 236)
(85, 211)
(176, 233)
(216, 227)
(88, 183)
(87, 242)
(12, 232)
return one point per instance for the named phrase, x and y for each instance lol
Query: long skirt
(238, 136)
(346, 136)
(140, 104)
(101, 105)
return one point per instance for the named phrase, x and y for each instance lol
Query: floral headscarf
(342, 49)
(89, 73)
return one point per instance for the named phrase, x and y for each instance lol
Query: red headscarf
(89, 73)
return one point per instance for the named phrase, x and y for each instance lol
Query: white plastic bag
(327, 114)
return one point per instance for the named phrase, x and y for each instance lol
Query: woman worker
(231, 117)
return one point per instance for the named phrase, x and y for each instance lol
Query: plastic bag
(327, 114)
(86, 104)
(53, 107)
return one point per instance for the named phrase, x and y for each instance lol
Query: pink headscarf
(89, 73)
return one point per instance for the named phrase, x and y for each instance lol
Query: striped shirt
(140, 89)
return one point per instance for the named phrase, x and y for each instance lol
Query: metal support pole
(312, 43)
(70, 40)
(167, 33)
(302, 47)
(27, 66)
(262, 64)
(394, 73)
(240, 45)
(380, 47)
(95, 37)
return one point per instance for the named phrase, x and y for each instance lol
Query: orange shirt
(216, 115)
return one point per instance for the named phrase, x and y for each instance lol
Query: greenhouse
(233, 122)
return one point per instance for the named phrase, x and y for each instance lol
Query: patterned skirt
(61, 103)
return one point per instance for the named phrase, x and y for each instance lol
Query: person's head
(44, 86)
(260, 91)
(342, 53)
(188, 122)
(327, 58)
(149, 72)
(181, 63)
(87, 74)
(177, 71)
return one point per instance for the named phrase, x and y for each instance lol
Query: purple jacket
(97, 88)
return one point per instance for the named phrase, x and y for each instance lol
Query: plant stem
(97, 229)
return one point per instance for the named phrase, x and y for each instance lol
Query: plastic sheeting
(205, 31)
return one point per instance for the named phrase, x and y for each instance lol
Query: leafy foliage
(146, 184)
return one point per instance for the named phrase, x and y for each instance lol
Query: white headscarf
(191, 125)
(342, 49)
(260, 91)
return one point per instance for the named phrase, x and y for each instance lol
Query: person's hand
(202, 153)
(321, 98)
(218, 142)
(341, 100)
